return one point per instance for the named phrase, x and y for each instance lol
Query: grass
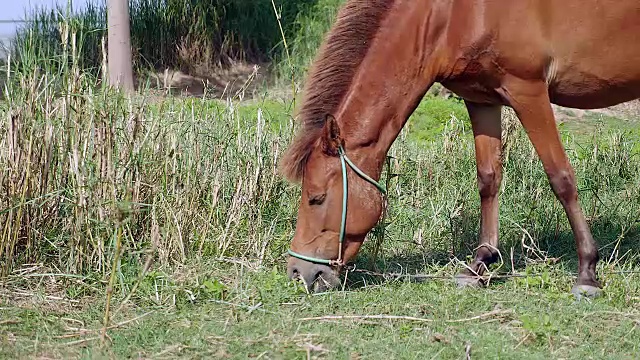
(309, 29)
(253, 313)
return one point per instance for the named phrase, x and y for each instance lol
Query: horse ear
(331, 140)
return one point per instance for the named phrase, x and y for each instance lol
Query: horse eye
(317, 199)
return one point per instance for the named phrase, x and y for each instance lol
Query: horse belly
(595, 55)
(473, 91)
(592, 88)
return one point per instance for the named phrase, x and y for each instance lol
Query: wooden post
(120, 63)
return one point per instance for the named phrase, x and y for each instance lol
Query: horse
(375, 66)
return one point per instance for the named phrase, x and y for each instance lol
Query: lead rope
(345, 196)
(344, 160)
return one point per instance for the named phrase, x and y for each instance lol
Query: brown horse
(383, 55)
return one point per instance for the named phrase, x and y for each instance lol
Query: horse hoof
(586, 291)
(466, 281)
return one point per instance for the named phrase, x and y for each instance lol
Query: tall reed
(194, 35)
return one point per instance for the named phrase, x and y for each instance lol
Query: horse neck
(399, 67)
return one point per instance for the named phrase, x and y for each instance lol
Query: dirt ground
(626, 111)
(240, 80)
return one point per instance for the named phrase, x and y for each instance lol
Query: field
(156, 226)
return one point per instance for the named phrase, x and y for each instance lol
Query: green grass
(430, 117)
(309, 29)
(259, 313)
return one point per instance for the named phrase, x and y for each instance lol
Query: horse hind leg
(485, 121)
(531, 102)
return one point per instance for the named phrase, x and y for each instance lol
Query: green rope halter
(344, 161)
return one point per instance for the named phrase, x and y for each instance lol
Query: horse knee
(563, 183)
(488, 182)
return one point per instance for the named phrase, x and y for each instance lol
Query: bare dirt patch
(626, 111)
(238, 80)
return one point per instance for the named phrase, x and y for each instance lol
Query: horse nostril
(295, 273)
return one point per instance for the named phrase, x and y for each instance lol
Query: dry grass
(84, 166)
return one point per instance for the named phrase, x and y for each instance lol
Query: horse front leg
(486, 124)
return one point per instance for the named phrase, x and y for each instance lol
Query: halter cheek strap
(344, 161)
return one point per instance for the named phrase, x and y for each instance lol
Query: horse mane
(331, 75)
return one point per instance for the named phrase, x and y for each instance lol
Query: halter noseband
(344, 161)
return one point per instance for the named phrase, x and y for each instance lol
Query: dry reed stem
(286, 48)
(102, 330)
(406, 318)
(81, 341)
(114, 267)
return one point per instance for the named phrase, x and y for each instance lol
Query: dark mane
(330, 77)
